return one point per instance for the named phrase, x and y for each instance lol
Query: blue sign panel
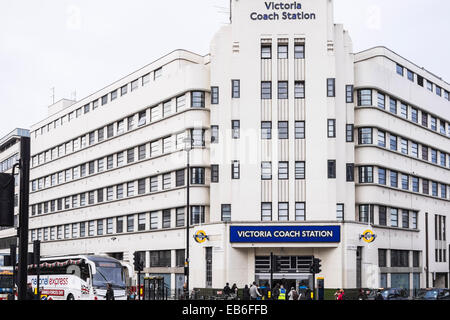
(286, 234)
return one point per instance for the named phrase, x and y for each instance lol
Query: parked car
(433, 294)
(395, 294)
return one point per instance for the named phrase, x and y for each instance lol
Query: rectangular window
(393, 106)
(300, 170)
(130, 189)
(404, 145)
(166, 218)
(235, 126)
(365, 97)
(283, 170)
(179, 179)
(410, 75)
(331, 128)
(414, 149)
(350, 172)
(283, 90)
(181, 102)
(167, 181)
(109, 226)
(235, 170)
(153, 184)
(266, 51)
(104, 100)
(226, 212)
(414, 115)
(340, 211)
(364, 213)
(141, 186)
(349, 94)
(266, 130)
(119, 224)
(145, 79)
(283, 130)
(382, 176)
(235, 88)
(214, 134)
(214, 173)
(142, 118)
(282, 51)
(142, 154)
(415, 184)
(214, 95)
(134, 85)
(180, 217)
(119, 191)
(366, 174)
(300, 211)
(197, 176)
(403, 110)
(299, 89)
(167, 108)
(394, 217)
(123, 90)
(197, 99)
(405, 182)
(405, 219)
(130, 223)
(197, 214)
(400, 70)
(100, 227)
(393, 142)
(331, 90)
(331, 169)
(394, 179)
(382, 217)
(349, 133)
(365, 136)
(381, 101)
(283, 211)
(266, 90)
(266, 211)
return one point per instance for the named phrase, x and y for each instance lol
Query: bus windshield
(108, 272)
(6, 280)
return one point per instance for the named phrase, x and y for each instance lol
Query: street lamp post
(188, 148)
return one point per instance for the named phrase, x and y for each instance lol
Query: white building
(295, 138)
(9, 156)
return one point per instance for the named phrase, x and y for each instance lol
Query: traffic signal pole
(23, 216)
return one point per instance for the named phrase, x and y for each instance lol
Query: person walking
(293, 295)
(362, 295)
(246, 293)
(254, 293)
(341, 295)
(282, 295)
(276, 292)
(226, 290)
(234, 291)
(109, 292)
(30, 293)
(264, 291)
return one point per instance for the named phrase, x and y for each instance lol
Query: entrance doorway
(288, 280)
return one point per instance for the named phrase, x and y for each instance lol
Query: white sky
(84, 45)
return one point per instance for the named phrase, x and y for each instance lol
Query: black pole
(23, 216)
(37, 262)
(314, 287)
(139, 286)
(188, 213)
(12, 254)
(427, 274)
(271, 271)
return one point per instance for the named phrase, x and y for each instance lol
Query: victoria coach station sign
(282, 11)
(285, 234)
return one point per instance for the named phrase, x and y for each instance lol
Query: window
(91, 227)
(393, 105)
(381, 139)
(154, 148)
(365, 97)
(157, 73)
(414, 115)
(266, 51)
(282, 89)
(180, 217)
(197, 175)
(331, 91)
(400, 70)
(299, 90)
(405, 219)
(104, 100)
(405, 182)
(283, 170)
(331, 169)
(266, 90)
(282, 51)
(119, 224)
(235, 126)
(214, 134)
(299, 170)
(382, 219)
(153, 184)
(350, 172)
(425, 153)
(197, 214)
(145, 79)
(141, 118)
(167, 108)
(266, 130)
(414, 149)
(141, 186)
(349, 94)
(283, 132)
(160, 258)
(167, 181)
(349, 136)
(382, 258)
(283, 211)
(100, 195)
(425, 186)
(123, 90)
(134, 85)
(226, 212)
(266, 211)
(235, 88)
(155, 113)
(86, 108)
(181, 102)
(166, 218)
(119, 159)
(414, 220)
(109, 226)
(364, 213)
(130, 223)
(403, 110)
(100, 227)
(340, 211)
(130, 189)
(142, 152)
(235, 170)
(393, 142)
(410, 75)
(109, 193)
(404, 146)
(382, 176)
(331, 128)
(394, 217)
(110, 131)
(365, 174)
(430, 86)
(425, 119)
(198, 137)
(167, 145)
(394, 179)
(101, 134)
(119, 191)
(179, 178)
(415, 184)
(299, 51)
(381, 101)
(214, 95)
(399, 258)
(433, 122)
(153, 220)
(365, 136)
(214, 173)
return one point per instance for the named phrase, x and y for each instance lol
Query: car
(394, 294)
(433, 294)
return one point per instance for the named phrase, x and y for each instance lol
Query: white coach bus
(80, 277)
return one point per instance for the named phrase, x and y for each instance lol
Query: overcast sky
(83, 45)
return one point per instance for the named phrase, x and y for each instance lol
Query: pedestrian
(362, 295)
(336, 294)
(293, 295)
(341, 295)
(185, 292)
(234, 291)
(282, 295)
(276, 292)
(226, 290)
(264, 290)
(246, 293)
(109, 292)
(12, 295)
(30, 293)
(254, 293)
(379, 296)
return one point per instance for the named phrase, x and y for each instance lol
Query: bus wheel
(70, 297)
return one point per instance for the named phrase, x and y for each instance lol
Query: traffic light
(36, 252)
(6, 200)
(138, 263)
(315, 266)
(276, 263)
